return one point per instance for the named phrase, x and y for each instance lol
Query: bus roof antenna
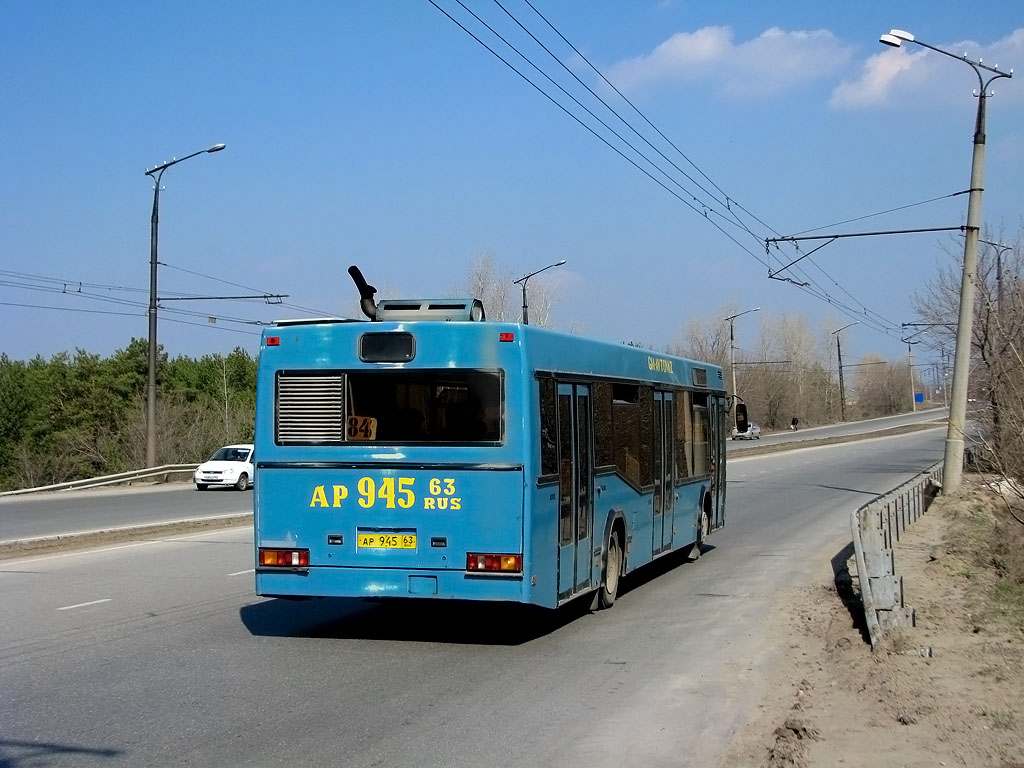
(366, 293)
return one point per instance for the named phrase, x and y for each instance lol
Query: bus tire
(242, 483)
(703, 529)
(200, 486)
(612, 572)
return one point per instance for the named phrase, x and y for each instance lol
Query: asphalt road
(845, 429)
(50, 514)
(60, 513)
(157, 653)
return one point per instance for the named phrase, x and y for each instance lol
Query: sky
(379, 133)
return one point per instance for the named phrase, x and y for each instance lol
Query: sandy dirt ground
(948, 692)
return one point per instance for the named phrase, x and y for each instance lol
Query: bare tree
(997, 343)
(880, 387)
(705, 339)
(502, 299)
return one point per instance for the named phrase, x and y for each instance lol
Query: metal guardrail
(123, 477)
(877, 526)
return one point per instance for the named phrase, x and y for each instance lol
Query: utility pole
(842, 387)
(839, 354)
(953, 457)
(156, 174)
(732, 344)
(913, 389)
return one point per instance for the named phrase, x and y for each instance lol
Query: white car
(753, 433)
(229, 466)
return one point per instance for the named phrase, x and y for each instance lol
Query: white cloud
(898, 73)
(771, 62)
(877, 78)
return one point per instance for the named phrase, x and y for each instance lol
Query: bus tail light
(494, 563)
(288, 558)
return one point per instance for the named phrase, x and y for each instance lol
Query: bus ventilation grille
(310, 408)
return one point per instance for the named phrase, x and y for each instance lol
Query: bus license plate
(386, 541)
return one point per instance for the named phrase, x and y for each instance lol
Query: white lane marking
(241, 573)
(82, 605)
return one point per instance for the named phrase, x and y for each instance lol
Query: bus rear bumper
(389, 582)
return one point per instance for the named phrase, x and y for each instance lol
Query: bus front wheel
(609, 588)
(703, 529)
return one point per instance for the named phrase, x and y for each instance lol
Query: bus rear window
(402, 406)
(387, 347)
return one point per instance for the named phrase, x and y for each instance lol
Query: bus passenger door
(718, 412)
(575, 489)
(664, 464)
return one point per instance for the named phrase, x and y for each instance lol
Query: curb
(18, 548)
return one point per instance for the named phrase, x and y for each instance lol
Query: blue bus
(429, 453)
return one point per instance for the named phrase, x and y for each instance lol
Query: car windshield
(230, 454)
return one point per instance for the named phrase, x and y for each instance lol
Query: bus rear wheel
(609, 588)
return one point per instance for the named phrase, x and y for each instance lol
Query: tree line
(792, 371)
(80, 415)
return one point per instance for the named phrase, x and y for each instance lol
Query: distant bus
(431, 454)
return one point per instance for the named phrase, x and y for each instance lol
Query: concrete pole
(913, 389)
(842, 387)
(154, 224)
(953, 457)
(732, 355)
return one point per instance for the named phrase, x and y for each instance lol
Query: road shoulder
(946, 692)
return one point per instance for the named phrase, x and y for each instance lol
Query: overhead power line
(717, 207)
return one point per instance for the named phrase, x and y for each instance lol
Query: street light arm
(896, 37)
(522, 282)
(524, 278)
(165, 166)
(744, 312)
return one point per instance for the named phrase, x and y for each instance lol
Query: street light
(156, 174)
(839, 353)
(1000, 249)
(953, 458)
(522, 282)
(732, 345)
(913, 387)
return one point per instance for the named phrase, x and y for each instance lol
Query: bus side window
(626, 431)
(646, 436)
(604, 444)
(548, 446)
(700, 435)
(684, 435)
